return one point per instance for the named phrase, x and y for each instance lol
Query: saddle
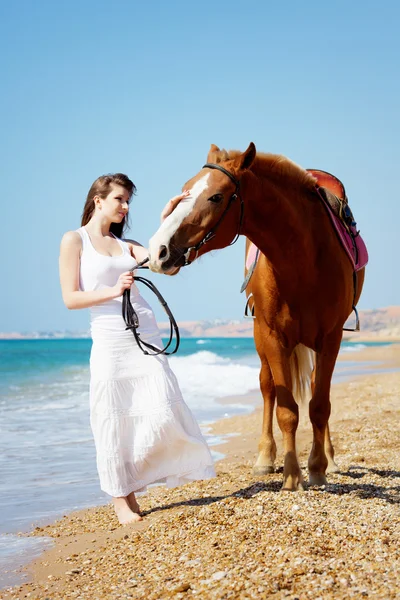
(333, 192)
(333, 196)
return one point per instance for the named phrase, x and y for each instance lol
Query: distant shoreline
(357, 338)
(382, 324)
(34, 336)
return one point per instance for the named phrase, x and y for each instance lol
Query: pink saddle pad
(251, 255)
(353, 244)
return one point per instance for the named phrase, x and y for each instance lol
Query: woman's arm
(70, 251)
(138, 251)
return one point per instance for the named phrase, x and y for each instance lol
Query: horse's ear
(212, 152)
(245, 160)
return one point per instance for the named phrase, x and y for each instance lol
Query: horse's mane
(276, 166)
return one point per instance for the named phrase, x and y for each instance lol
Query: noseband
(211, 234)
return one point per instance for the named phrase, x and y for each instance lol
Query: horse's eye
(216, 198)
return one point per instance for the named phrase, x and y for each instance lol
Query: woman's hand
(124, 282)
(173, 203)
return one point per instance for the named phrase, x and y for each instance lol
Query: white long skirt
(143, 430)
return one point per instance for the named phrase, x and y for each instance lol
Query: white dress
(143, 430)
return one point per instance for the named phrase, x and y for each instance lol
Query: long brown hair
(102, 187)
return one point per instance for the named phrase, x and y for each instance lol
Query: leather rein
(131, 318)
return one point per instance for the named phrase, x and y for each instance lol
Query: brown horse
(303, 293)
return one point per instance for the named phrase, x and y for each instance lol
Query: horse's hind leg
(265, 462)
(328, 446)
(330, 452)
(320, 408)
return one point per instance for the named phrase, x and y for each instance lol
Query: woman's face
(115, 206)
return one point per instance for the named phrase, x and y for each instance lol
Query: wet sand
(238, 536)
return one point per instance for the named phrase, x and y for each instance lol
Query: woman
(143, 431)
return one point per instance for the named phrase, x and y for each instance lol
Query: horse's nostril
(163, 252)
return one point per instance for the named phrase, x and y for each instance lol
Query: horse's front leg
(265, 462)
(320, 409)
(287, 413)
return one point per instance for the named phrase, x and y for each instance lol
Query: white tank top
(98, 271)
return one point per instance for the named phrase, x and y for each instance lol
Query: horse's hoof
(263, 470)
(332, 468)
(317, 479)
(292, 484)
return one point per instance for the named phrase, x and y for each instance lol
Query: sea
(47, 454)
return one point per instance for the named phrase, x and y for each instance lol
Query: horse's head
(211, 213)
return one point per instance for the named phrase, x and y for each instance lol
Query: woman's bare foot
(133, 503)
(124, 511)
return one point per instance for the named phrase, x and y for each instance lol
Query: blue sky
(144, 88)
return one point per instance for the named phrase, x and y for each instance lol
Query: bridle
(211, 234)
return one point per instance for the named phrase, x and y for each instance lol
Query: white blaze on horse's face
(168, 228)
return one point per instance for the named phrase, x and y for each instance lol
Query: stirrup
(357, 327)
(246, 309)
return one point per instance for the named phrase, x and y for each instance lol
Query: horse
(304, 290)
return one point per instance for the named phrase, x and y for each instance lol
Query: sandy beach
(238, 536)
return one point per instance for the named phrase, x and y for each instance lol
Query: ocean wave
(204, 376)
(22, 550)
(353, 348)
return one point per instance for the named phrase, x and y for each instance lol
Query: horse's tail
(302, 364)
